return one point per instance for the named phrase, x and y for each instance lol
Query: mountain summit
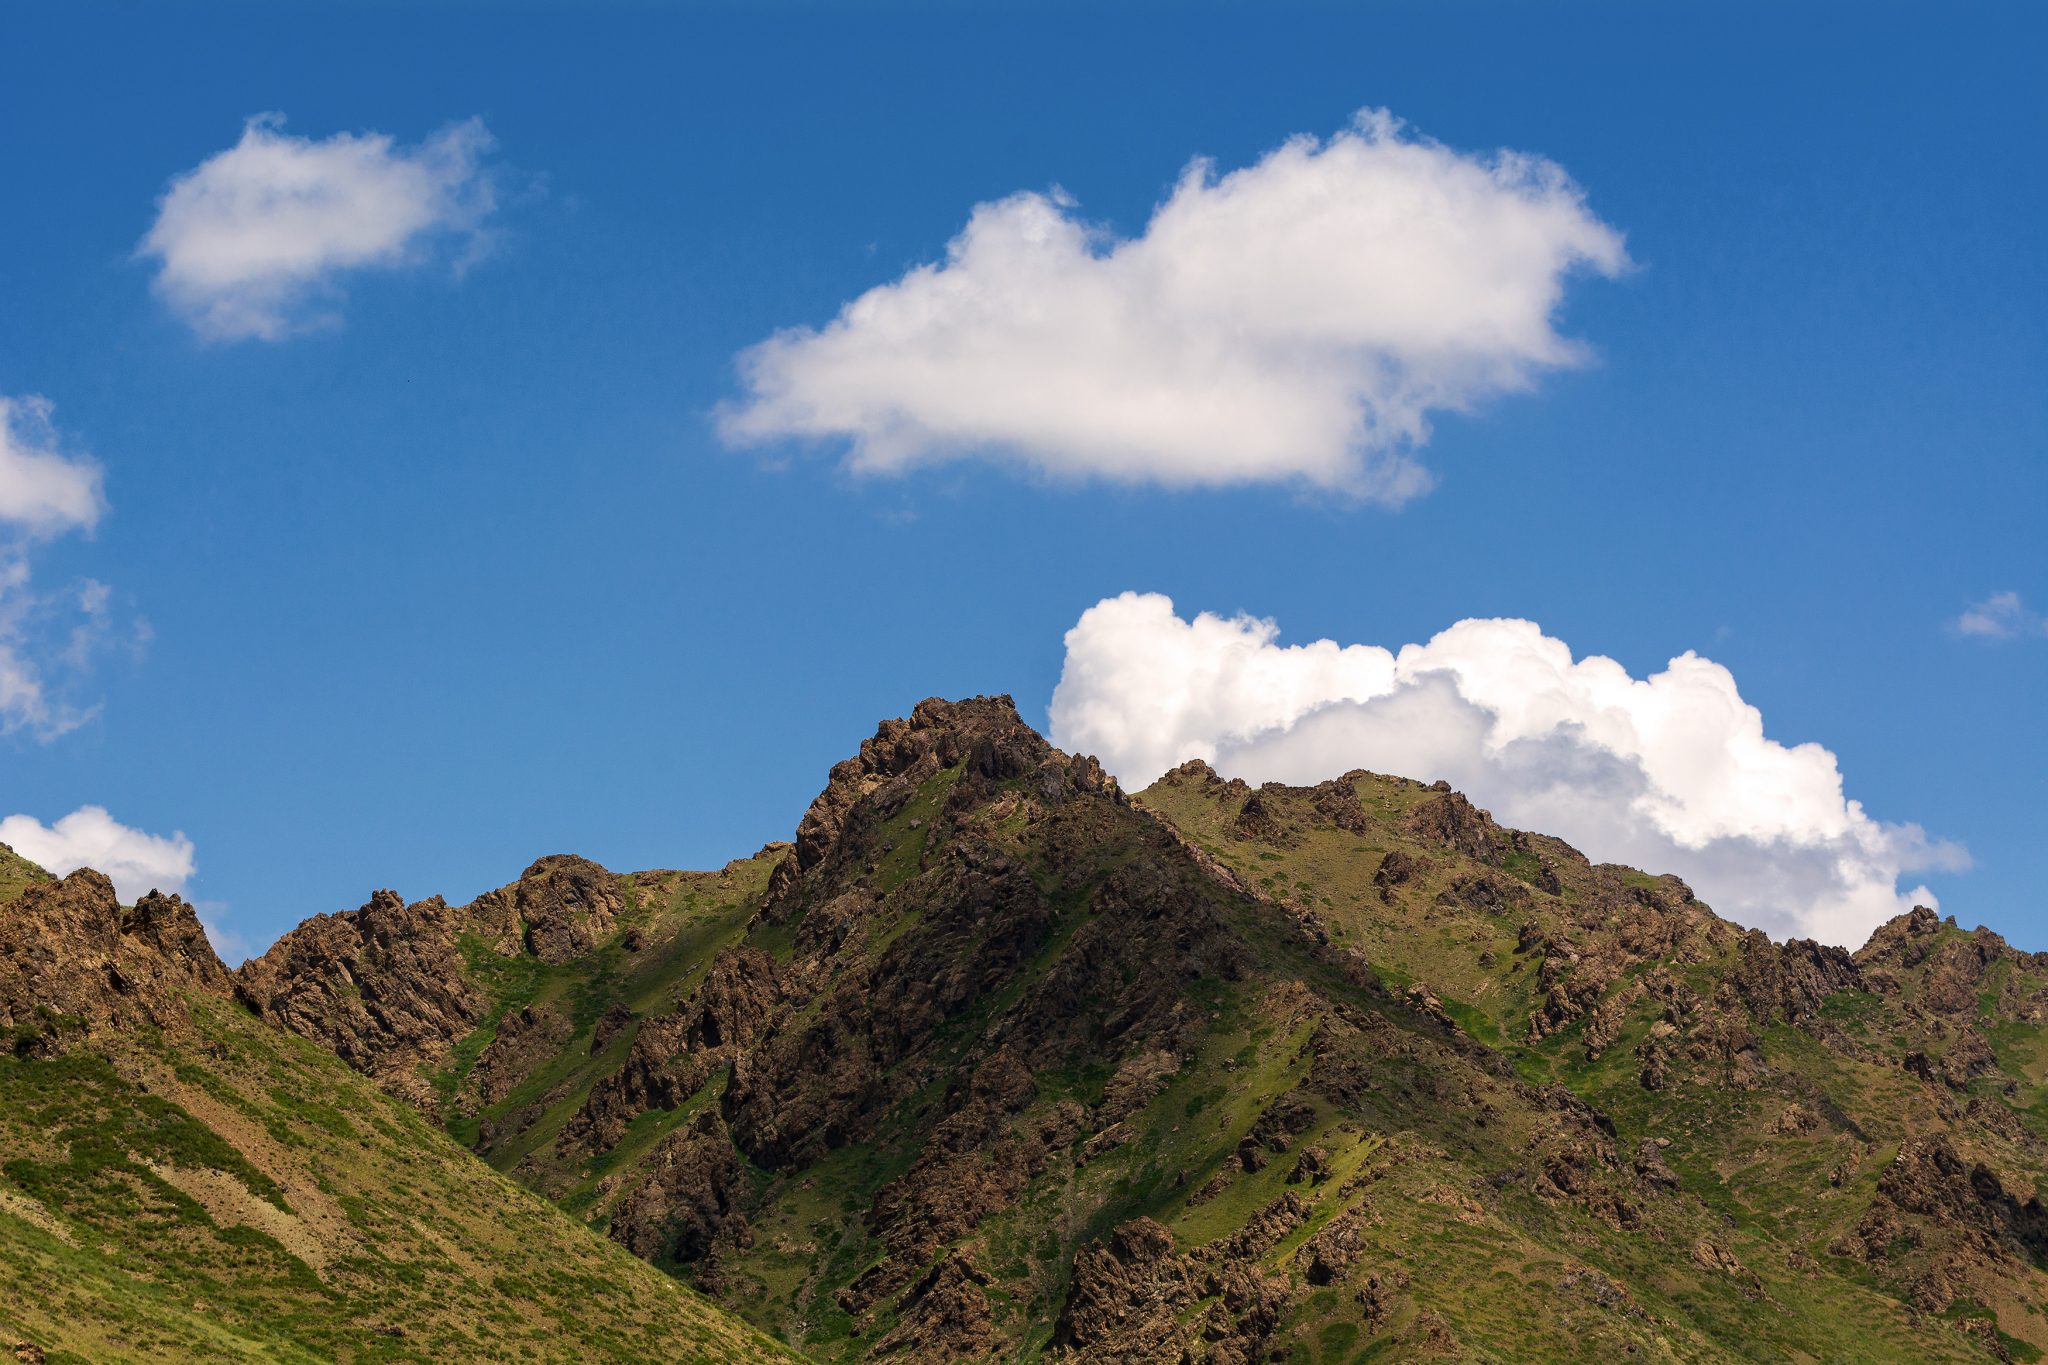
(996, 1061)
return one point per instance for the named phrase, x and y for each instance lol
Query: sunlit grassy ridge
(680, 920)
(237, 1194)
(17, 874)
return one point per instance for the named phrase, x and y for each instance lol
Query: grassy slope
(17, 874)
(238, 1194)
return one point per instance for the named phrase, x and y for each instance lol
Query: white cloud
(42, 490)
(136, 862)
(1670, 773)
(1296, 320)
(252, 240)
(2000, 617)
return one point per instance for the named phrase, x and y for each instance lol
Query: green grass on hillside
(238, 1194)
(17, 874)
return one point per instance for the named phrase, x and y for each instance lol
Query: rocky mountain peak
(73, 959)
(985, 734)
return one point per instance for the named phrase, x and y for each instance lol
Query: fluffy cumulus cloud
(136, 862)
(45, 637)
(1671, 773)
(254, 240)
(2001, 616)
(1295, 320)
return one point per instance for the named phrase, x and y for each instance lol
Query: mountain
(180, 1181)
(996, 1061)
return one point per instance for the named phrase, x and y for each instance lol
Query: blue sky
(457, 569)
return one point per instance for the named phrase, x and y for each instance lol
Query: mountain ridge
(996, 1061)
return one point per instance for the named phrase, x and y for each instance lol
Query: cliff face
(997, 1059)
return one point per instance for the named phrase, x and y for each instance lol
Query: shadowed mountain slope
(996, 1062)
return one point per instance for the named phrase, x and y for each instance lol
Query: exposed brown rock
(1796, 1121)
(564, 906)
(944, 1318)
(1450, 821)
(733, 1005)
(1790, 980)
(1484, 892)
(1651, 1168)
(616, 1019)
(1397, 868)
(73, 960)
(1928, 1180)
(1710, 1255)
(1255, 821)
(660, 1072)
(903, 754)
(385, 988)
(1311, 1167)
(525, 1038)
(1122, 1301)
(692, 1187)
(381, 987)
(1967, 1058)
(978, 1160)
(1327, 1257)
(1338, 803)
(1903, 941)
(1136, 1081)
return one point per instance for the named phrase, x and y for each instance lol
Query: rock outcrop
(74, 961)
(382, 987)
(388, 989)
(563, 906)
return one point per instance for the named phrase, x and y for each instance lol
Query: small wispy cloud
(2001, 616)
(46, 638)
(253, 242)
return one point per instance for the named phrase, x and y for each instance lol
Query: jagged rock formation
(73, 961)
(385, 987)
